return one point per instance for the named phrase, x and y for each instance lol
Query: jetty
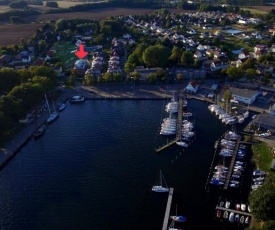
(179, 129)
(168, 207)
(231, 166)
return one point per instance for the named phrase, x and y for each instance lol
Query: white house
(245, 96)
(192, 87)
(244, 54)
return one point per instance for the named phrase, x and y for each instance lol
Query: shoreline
(102, 92)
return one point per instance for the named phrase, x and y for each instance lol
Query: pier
(231, 166)
(234, 210)
(168, 207)
(179, 129)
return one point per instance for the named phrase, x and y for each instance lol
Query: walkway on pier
(179, 129)
(179, 121)
(231, 166)
(168, 207)
(235, 211)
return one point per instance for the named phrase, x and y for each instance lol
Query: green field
(255, 11)
(64, 51)
(262, 157)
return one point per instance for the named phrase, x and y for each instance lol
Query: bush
(18, 4)
(52, 4)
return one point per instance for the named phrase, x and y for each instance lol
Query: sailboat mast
(48, 104)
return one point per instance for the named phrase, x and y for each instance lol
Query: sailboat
(172, 226)
(39, 131)
(53, 116)
(178, 218)
(161, 185)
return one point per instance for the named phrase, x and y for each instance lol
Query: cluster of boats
(228, 148)
(258, 178)
(54, 113)
(239, 217)
(187, 133)
(226, 117)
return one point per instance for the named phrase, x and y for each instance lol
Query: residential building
(192, 87)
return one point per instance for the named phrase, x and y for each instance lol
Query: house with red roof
(192, 87)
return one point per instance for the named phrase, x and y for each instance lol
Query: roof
(265, 120)
(247, 93)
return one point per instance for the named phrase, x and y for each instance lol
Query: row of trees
(159, 56)
(22, 89)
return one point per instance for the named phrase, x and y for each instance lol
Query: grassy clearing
(255, 11)
(64, 51)
(66, 4)
(262, 157)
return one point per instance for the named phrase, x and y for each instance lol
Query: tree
(227, 96)
(154, 56)
(269, 225)
(117, 77)
(250, 74)
(89, 79)
(15, 19)
(136, 76)
(176, 54)
(51, 4)
(234, 72)
(187, 59)
(262, 202)
(18, 4)
(8, 79)
(179, 77)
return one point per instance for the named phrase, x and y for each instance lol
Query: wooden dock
(179, 121)
(179, 129)
(235, 211)
(168, 207)
(160, 149)
(231, 166)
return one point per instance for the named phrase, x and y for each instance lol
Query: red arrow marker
(81, 53)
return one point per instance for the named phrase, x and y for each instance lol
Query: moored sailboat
(160, 185)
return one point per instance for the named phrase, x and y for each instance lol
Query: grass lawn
(262, 157)
(64, 51)
(255, 11)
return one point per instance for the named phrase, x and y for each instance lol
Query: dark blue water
(95, 166)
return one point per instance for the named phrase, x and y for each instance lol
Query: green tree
(51, 4)
(136, 76)
(234, 73)
(262, 202)
(8, 79)
(155, 56)
(227, 96)
(250, 74)
(117, 77)
(44, 71)
(187, 59)
(89, 79)
(269, 225)
(151, 78)
(107, 77)
(24, 75)
(176, 54)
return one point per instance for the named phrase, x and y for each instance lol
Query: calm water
(95, 166)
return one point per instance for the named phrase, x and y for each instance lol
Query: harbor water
(95, 166)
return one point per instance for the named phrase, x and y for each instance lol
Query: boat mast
(48, 104)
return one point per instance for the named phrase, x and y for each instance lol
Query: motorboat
(242, 220)
(234, 185)
(62, 106)
(258, 173)
(238, 207)
(178, 218)
(219, 213)
(237, 217)
(182, 143)
(160, 185)
(76, 99)
(216, 182)
(231, 217)
(243, 207)
(227, 204)
(225, 214)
